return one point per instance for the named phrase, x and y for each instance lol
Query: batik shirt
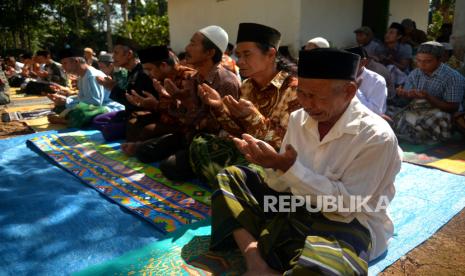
(196, 116)
(273, 104)
(174, 113)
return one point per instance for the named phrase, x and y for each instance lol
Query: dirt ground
(11, 129)
(442, 254)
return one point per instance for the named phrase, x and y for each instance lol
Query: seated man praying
(436, 91)
(372, 89)
(90, 91)
(268, 96)
(334, 149)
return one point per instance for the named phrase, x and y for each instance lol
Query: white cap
(217, 35)
(320, 42)
(447, 46)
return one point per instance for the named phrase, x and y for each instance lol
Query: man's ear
(210, 53)
(350, 89)
(131, 53)
(364, 62)
(272, 53)
(163, 66)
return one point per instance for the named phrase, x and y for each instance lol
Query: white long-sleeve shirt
(358, 157)
(372, 91)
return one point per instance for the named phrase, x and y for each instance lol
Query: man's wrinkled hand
(59, 100)
(107, 82)
(238, 109)
(147, 101)
(165, 99)
(209, 96)
(263, 154)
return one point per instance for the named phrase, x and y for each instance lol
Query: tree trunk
(28, 36)
(13, 34)
(76, 18)
(124, 9)
(106, 5)
(132, 12)
(22, 38)
(86, 8)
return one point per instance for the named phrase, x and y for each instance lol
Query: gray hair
(81, 60)
(433, 48)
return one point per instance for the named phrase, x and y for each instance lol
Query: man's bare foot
(55, 119)
(262, 272)
(129, 148)
(256, 265)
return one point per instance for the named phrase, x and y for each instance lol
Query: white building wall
(188, 16)
(417, 10)
(297, 20)
(334, 20)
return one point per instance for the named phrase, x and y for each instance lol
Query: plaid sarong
(420, 123)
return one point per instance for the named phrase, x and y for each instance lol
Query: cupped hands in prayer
(146, 101)
(107, 82)
(60, 89)
(263, 154)
(238, 109)
(171, 93)
(165, 98)
(209, 96)
(412, 93)
(57, 99)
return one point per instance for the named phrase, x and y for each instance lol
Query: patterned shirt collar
(439, 71)
(277, 81)
(211, 76)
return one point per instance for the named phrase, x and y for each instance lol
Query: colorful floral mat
(140, 188)
(449, 157)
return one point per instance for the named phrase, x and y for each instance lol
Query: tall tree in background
(147, 27)
(52, 24)
(106, 4)
(442, 11)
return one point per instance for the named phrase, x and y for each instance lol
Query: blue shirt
(91, 92)
(398, 53)
(444, 83)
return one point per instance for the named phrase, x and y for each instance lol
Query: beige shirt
(359, 156)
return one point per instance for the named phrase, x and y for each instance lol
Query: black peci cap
(154, 54)
(69, 52)
(253, 32)
(127, 42)
(358, 51)
(328, 63)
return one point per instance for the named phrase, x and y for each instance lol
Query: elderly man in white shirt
(337, 153)
(372, 89)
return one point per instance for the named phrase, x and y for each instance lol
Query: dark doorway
(376, 16)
